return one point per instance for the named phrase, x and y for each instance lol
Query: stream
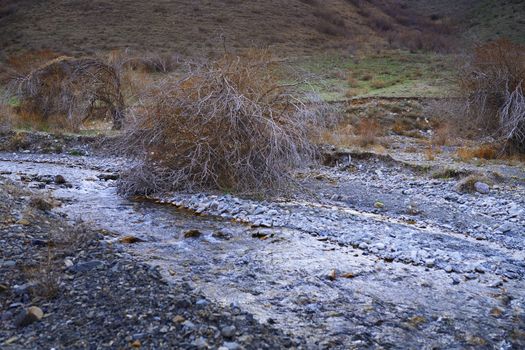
(339, 276)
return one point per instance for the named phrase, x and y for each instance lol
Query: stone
(228, 331)
(231, 345)
(86, 266)
(192, 234)
(482, 187)
(430, 263)
(480, 269)
(200, 343)
(188, 325)
(23, 222)
(221, 234)
(202, 302)
(60, 180)
(28, 316)
(363, 245)
(470, 276)
(3, 288)
(8, 263)
(130, 240)
(379, 205)
(178, 319)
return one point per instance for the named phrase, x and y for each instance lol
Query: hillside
(188, 26)
(478, 19)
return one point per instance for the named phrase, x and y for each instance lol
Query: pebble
(200, 343)
(228, 331)
(28, 316)
(363, 245)
(430, 263)
(86, 266)
(482, 187)
(60, 180)
(202, 302)
(231, 345)
(192, 234)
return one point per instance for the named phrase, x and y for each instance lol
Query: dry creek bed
(370, 255)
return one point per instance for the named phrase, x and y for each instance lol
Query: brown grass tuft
(487, 151)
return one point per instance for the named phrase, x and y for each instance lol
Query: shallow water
(328, 292)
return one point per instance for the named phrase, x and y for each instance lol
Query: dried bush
(72, 89)
(491, 84)
(228, 124)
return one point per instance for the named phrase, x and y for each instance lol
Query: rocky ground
(370, 251)
(94, 295)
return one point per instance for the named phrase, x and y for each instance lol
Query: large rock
(28, 316)
(481, 187)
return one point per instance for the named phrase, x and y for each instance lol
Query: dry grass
(487, 152)
(367, 133)
(378, 84)
(430, 154)
(228, 124)
(442, 135)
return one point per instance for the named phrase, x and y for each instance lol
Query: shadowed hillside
(188, 26)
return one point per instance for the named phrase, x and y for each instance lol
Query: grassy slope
(392, 73)
(480, 19)
(490, 19)
(295, 27)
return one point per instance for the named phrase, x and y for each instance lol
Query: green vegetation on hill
(492, 19)
(393, 73)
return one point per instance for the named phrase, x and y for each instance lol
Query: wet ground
(373, 256)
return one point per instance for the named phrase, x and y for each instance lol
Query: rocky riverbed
(372, 252)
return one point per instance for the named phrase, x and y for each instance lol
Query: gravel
(106, 298)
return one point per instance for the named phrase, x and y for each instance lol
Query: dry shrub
(342, 135)
(228, 124)
(71, 90)
(491, 84)
(488, 151)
